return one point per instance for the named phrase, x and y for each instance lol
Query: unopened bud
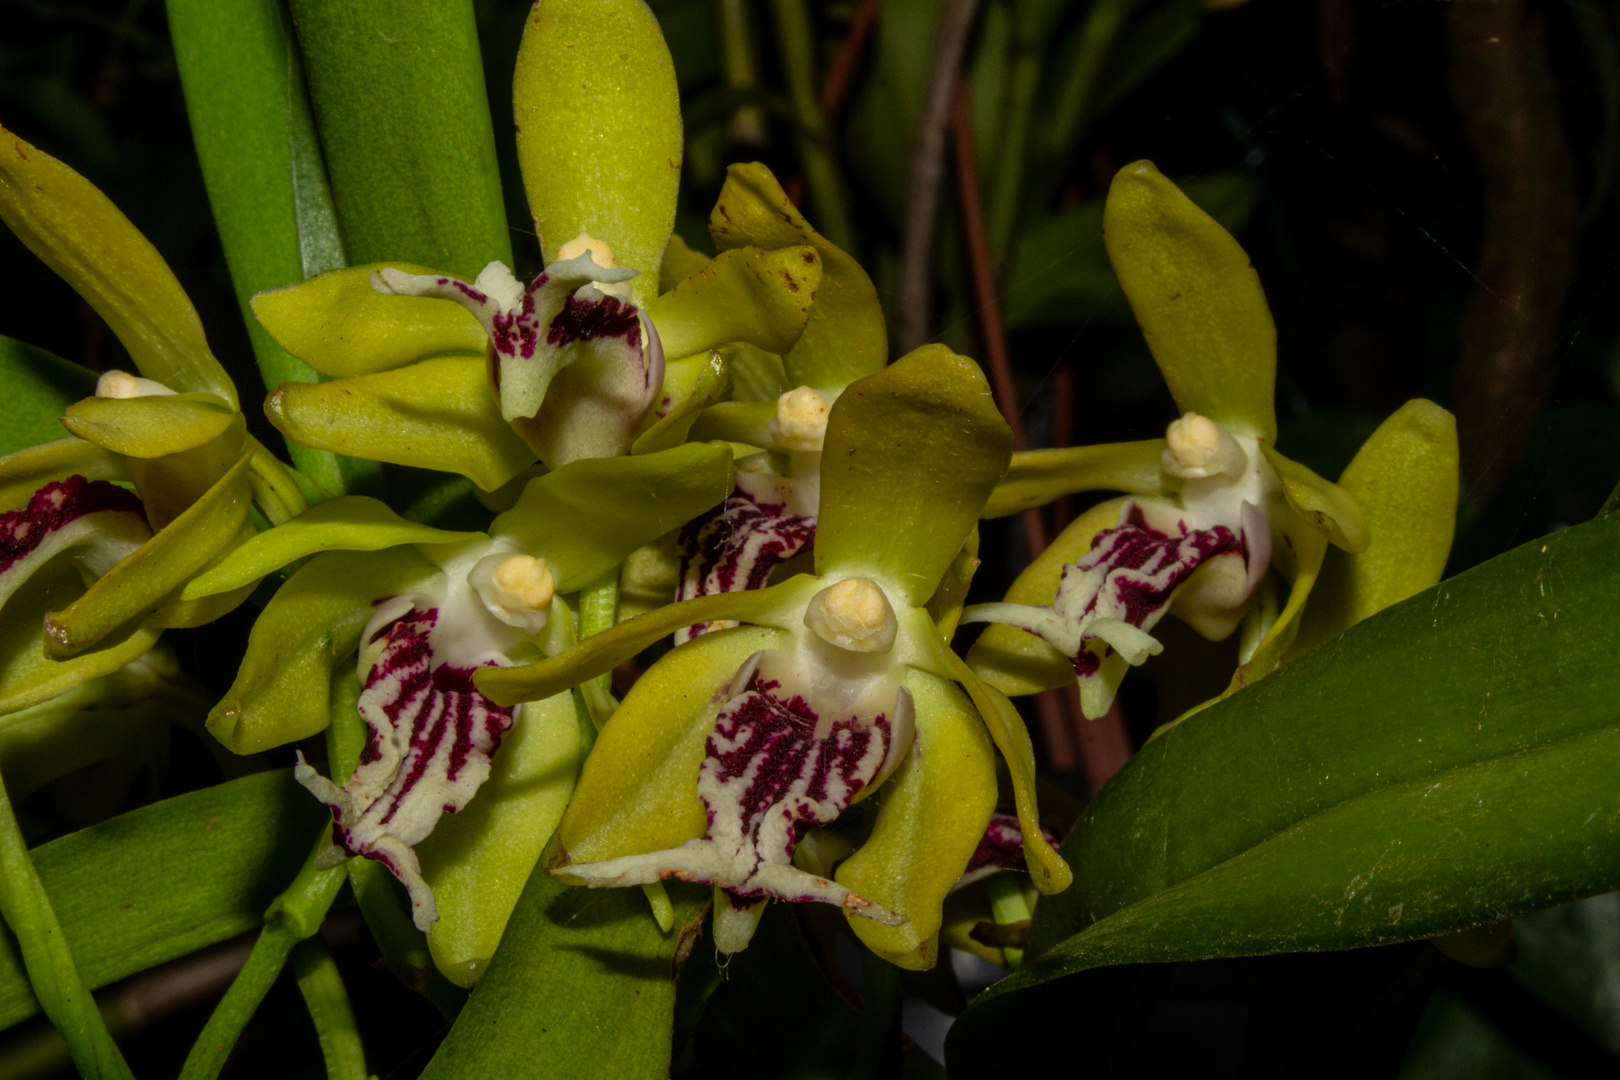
(517, 589)
(801, 419)
(1196, 447)
(121, 384)
(854, 615)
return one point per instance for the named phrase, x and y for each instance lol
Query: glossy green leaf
(779, 606)
(845, 337)
(587, 516)
(1036, 477)
(931, 816)
(347, 523)
(77, 231)
(1197, 300)
(1445, 763)
(282, 691)
(584, 983)
(138, 585)
(26, 471)
(745, 294)
(340, 326)
(399, 100)
(599, 130)
(437, 414)
(149, 427)
(911, 455)
(1405, 480)
(167, 879)
(39, 388)
(1016, 662)
(690, 386)
(1322, 504)
(261, 162)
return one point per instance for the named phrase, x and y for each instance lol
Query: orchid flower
(1213, 507)
(839, 684)
(174, 433)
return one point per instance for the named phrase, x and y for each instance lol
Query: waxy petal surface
(1036, 477)
(149, 427)
(744, 294)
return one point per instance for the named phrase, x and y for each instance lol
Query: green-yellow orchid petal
(932, 816)
(588, 516)
(26, 471)
(478, 861)
(1197, 299)
(341, 326)
(77, 231)
(1046, 867)
(910, 456)
(149, 427)
(691, 385)
(638, 790)
(845, 338)
(281, 692)
(680, 262)
(27, 675)
(177, 612)
(1323, 504)
(945, 606)
(1405, 481)
(599, 130)
(776, 607)
(436, 414)
(1016, 662)
(347, 523)
(39, 388)
(745, 294)
(138, 585)
(1036, 477)
(1307, 549)
(737, 421)
(170, 485)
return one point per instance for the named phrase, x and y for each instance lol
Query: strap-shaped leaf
(347, 523)
(933, 813)
(745, 294)
(39, 388)
(26, 471)
(910, 456)
(77, 231)
(436, 414)
(599, 130)
(138, 585)
(1405, 480)
(341, 326)
(167, 879)
(1197, 299)
(589, 515)
(690, 386)
(149, 427)
(1036, 477)
(775, 607)
(1323, 504)
(1016, 662)
(844, 338)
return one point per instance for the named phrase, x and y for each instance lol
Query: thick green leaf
(26, 471)
(437, 414)
(589, 515)
(745, 294)
(1036, 477)
(39, 388)
(168, 879)
(80, 234)
(398, 92)
(599, 130)
(911, 455)
(347, 523)
(1445, 763)
(340, 326)
(1197, 299)
(583, 986)
(149, 427)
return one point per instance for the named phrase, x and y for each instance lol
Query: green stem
(56, 981)
(1008, 905)
(328, 1004)
(598, 612)
(795, 41)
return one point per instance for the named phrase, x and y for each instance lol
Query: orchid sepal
(150, 427)
(1037, 477)
(1322, 504)
(26, 471)
(744, 294)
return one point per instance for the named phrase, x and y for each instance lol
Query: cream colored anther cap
(121, 384)
(854, 615)
(801, 419)
(1196, 446)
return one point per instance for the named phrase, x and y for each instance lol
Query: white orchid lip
(801, 419)
(516, 588)
(1197, 447)
(853, 615)
(121, 384)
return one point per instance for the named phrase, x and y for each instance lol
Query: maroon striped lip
(55, 506)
